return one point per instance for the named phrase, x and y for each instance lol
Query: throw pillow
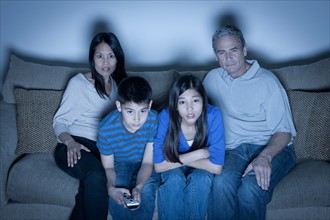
(311, 115)
(35, 112)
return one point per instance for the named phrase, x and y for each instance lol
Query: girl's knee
(201, 177)
(175, 175)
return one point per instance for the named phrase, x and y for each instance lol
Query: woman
(86, 100)
(189, 148)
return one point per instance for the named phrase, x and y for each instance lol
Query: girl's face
(105, 60)
(190, 106)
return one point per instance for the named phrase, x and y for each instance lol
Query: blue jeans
(184, 193)
(126, 174)
(92, 197)
(234, 197)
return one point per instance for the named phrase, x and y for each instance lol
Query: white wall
(163, 33)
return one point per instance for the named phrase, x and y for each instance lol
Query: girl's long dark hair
(172, 139)
(119, 73)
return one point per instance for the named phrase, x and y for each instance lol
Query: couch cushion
(311, 115)
(31, 75)
(198, 73)
(160, 82)
(307, 185)
(37, 179)
(35, 111)
(314, 76)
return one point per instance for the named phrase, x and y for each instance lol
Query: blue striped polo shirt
(115, 139)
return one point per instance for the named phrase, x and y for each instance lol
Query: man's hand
(262, 167)
(73, 151)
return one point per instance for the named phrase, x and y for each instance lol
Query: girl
(189, 148)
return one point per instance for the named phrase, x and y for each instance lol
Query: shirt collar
(250, 73)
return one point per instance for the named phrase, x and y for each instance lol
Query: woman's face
(105, 60)
(190, 106)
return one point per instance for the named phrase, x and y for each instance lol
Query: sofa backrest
(30, 75)
(309, 77)
(308, 88)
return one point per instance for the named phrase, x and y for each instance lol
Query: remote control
(130, 202)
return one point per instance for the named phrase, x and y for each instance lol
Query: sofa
(33, 187)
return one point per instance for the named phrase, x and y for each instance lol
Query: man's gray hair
(230, 30)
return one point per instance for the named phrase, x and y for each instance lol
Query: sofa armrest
(8, 142)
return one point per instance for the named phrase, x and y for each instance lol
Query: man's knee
(249, 192)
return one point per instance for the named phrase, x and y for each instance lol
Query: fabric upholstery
(35, 111)
(8, 143)
(160, 83)
(30, 75)
(311, 77)
(299, 188)
(35, 211)
(311, 115)
(37, 179)
(199, 74)
(33, 187)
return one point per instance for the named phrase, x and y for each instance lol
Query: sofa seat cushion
(36, 179)
(307, 185)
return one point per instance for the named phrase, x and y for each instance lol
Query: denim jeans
(92, 197)
(184, 193)
(234, 197)
(126, 174)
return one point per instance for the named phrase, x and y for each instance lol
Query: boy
(125, 141)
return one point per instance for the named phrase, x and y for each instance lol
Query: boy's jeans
(184, 193)
(126, 174)
(234, 197)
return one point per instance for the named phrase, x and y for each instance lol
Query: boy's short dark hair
(134, 89)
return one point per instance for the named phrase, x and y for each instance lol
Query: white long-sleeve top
(82, 109)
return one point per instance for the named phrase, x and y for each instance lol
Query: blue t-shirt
(215, 141)
(115, 139)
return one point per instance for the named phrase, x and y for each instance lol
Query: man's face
(230, 55)
(133, 115)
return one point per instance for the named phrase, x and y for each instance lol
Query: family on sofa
(225, 141)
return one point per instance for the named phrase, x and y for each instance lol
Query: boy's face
(133, 115)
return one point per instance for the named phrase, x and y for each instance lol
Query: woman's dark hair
(172, 139)
(119, 73)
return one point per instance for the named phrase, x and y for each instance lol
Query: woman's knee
(60, 156)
